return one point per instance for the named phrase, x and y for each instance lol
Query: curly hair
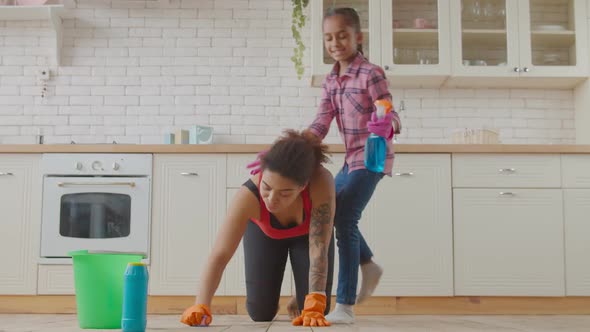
(296, 155)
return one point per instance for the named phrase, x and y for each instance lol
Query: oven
(98, 202)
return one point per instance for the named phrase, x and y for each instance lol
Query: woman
(267, 213)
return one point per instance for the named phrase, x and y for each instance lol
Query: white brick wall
(132, 71)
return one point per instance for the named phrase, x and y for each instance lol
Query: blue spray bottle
(376, 146)
(135, 298)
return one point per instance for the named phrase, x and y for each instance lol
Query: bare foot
(293, 308)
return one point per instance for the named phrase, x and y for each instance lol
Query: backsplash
(132, 71)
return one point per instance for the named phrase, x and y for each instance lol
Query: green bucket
(98, 278)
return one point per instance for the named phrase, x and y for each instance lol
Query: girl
(349, 92)
(285, 210)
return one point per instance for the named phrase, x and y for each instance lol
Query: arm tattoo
(320, 232)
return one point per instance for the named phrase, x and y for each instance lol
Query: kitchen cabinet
(56, 280)
(50, 13)
(508, 225)
(20, 224)
(576, 200)
(189, 199)
(515, 43)
(508, 242)
(409, 40)
(408, 225)
(467, 43)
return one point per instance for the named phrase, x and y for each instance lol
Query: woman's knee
(259, 313)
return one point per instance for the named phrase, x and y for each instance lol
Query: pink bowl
(30, 2)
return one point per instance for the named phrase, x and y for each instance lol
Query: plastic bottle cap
(137, 264)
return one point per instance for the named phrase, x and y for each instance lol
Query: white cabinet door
(237, 172)
(484, 38)
(415, 43)
(20, 223)
(56, 280)
(520, 40)
(235, 277)
(188, 202)
(577, 243)
(508, 242)
(368, 11)
(408, 225)
(553, 38)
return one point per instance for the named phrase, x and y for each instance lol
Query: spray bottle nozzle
(383, 107)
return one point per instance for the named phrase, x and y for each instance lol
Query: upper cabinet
(415, 50)
(51, 13)
(514, 43)
(467, 43)
(408, 39)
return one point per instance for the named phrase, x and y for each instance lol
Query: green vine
(297, 24)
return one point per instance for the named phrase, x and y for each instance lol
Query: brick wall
(134, 70)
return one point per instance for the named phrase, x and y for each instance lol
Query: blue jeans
(353, 192)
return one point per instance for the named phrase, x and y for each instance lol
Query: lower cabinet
(20, 223)
(577, 241)
(56, 280)
(189, 193)
(408, 225)
(509, 242)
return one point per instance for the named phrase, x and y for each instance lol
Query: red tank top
(279, 234)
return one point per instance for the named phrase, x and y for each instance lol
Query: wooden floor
(230, 323)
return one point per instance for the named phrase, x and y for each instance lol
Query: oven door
(95, 213)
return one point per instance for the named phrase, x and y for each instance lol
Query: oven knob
(97, 166)
(116, 166)
(79, 166)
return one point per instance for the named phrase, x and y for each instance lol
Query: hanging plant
(297, 24)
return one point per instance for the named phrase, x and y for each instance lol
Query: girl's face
(341, 41)
(277, 191)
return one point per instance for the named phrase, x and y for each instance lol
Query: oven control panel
(97, 164)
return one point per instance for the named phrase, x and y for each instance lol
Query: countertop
(254, 148)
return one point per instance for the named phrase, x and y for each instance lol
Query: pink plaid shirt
(349, 98)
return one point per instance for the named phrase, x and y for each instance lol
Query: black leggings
(265, 260)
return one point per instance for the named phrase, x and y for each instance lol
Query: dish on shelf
(551, 58)
(550, 27)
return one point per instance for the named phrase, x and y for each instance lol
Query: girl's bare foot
(293, 308)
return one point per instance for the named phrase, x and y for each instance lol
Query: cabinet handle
(526, 69)
(6, 174)
(507, 170)
(405, 174)
(507, 194)
(516, 70)
(189, 174)
(89, 184)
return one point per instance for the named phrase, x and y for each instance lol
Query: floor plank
(397, 323)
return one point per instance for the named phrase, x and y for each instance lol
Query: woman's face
(340, 40)
(277, 191)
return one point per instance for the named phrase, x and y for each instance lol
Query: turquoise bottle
(135, 289)
(376, 146)
(375, 153)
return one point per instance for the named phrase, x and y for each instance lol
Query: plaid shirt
(349, 98)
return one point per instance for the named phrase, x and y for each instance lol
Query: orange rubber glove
(197, 315)
(313, 311)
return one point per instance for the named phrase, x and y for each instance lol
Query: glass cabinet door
(553, 37)
(415, 37)
(485, 37)
(322, 62)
